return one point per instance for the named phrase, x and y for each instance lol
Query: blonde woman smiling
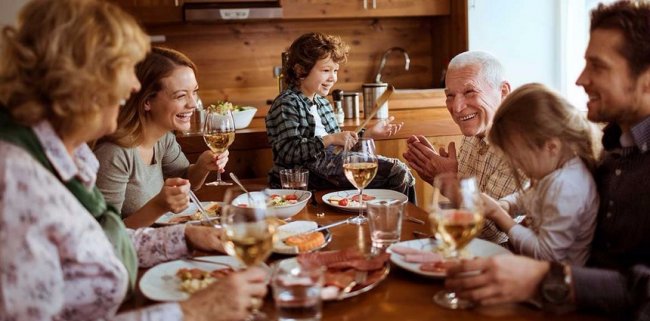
(143, 171)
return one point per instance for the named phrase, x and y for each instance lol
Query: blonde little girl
(550, 141)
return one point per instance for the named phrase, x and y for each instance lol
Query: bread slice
(306, 242)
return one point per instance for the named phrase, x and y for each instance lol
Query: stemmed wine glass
(360, 168)
(248, 231)
(219, 134)
(456, 218)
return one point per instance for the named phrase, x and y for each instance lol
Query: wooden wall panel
(236, 59)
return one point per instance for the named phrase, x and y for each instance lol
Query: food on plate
(352, 201)
(306, 242)
(196, 279)
(342, 267)
(221, 105)
(429, 261)
(292, 239)
(282, 200)
(213, 210)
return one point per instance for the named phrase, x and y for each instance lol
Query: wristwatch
(556, 288)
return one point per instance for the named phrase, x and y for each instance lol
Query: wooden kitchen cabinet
(150, 12)
(314, 9)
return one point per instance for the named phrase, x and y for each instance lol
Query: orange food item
(306, 242)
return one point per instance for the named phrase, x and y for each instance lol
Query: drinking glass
(297, 290)
(248, 231)
(360, 167)
(219, 134)
(294, 178)
(456, 218)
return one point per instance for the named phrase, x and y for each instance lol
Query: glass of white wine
(360, 167)
(219, 134)
(248, 231)
(456, 218)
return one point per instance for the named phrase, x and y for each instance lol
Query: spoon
(236, 180)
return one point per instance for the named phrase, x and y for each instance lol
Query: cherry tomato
(291, 197)
(343, 202)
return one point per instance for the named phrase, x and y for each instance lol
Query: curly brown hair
(632, 18)
(160, 63)
(305, 51)
(64, 62)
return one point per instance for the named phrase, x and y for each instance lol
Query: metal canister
(197, 120)
(351, 104)
(371, 92)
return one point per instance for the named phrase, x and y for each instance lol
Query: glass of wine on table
(248, 231)
(219, 134)
(456, 218)
(360, 168)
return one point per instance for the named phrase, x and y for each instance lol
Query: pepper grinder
(338, 111)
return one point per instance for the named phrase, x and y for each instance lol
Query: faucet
(407, 61)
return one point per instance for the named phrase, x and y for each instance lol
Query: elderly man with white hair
(475, 87)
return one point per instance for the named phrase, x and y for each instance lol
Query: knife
(359, 278)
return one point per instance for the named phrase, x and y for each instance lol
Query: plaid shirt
(290, 128)
(494, 176)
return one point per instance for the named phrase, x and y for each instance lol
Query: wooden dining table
(402, 295)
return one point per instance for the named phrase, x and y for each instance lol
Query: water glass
(385, 219)
(294, 178)
(297, 291)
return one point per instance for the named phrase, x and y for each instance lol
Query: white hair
(489, 67)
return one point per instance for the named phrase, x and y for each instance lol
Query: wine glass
(360, 168)
(248, 231)
(456, 218)
(219, 134)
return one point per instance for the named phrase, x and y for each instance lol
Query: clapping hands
(423, 158)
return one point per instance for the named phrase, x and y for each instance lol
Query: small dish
(377, 194)
(186, 216)
(293, 228)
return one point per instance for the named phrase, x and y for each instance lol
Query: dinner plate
(160, 283)
(355, 290)
(293, 228)
(476, 247)
(190, 210)
(379, 194)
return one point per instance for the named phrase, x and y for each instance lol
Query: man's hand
(423, 158)
(230, 298)
(497, 279)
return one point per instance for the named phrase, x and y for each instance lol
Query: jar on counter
(371, 92)
(351, 105)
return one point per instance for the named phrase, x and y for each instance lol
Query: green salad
(222, 105)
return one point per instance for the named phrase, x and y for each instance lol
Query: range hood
(212, 10)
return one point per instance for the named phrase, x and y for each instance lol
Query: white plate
(356, 291)
(380, 194)
(283, 211)
(293, 228)
(161, 284)
(191, 209)
(476, 247)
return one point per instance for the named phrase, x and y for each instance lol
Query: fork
(206, 218)
(359, 278)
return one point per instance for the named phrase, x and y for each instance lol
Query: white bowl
(281, 212)
(243, 118)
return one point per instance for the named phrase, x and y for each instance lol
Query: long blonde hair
(160, 63)
(63, 60)
(536, 114)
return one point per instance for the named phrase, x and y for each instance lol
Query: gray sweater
(127, 182)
